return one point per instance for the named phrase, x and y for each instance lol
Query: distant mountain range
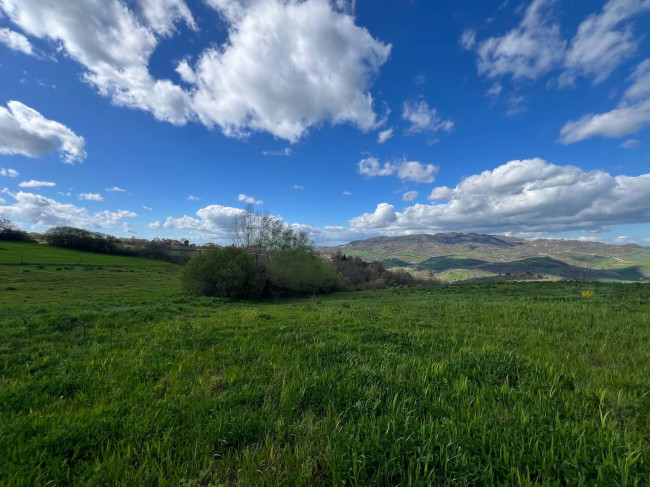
(464, 256)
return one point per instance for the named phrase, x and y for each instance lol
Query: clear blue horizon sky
(346, 119)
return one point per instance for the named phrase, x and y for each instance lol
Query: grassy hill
(472, 255)
(117, 378)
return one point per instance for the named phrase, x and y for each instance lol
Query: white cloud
(584, 238)
(128, 228)
(249, 199)
(213, 220)
(91, 197)
(422, 118)
(116, 189)
(17, 42)
(36, 184)
(468, 39)
(523, 196)
(495, 90)
(39, 210)
(384, 135)
(283, 152)
(114, 45)
(536, 46)
(410, 195)
(441, 193)
(193, 198)
(346, 193)
(25, 131)
(632, 114)
(527, 51)
(604, 40)
(406, 170)
(287, 66)
(631, 144)
(622, 238)
(384, 216)
(147, 208)
(299, 187)
(12, 173)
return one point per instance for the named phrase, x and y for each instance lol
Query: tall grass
(136, 384)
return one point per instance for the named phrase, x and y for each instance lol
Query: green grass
(117, 378)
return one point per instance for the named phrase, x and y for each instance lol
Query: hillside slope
(459, 256)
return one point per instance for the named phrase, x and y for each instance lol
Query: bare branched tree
(262, 235)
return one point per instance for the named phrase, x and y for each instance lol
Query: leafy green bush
(300, 273)
(226, 272)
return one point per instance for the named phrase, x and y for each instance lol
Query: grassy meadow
(111, 375)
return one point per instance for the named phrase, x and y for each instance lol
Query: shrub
(226, 272)
(300, 273)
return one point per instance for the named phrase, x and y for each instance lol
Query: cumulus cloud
(422, 118)
(25, 131)
(631, 115)
(12, 173)
(91, 197)
(193, 198)
(523, 196)
(17, 42)
(32, 183)
(286, 67)
(249, 199)
(39, 210)
(406, 170)
(384, 216)
(384, 135)
(604, 40)
(410, 195)
(113, 44)
(441, 193)
(116, 189)
(527, 51)
(212, 220)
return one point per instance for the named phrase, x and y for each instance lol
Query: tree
(226, 272)
(262, 235)
(9, 231)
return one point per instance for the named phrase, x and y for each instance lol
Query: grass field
(110, 375)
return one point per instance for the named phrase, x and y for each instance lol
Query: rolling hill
(463, 256)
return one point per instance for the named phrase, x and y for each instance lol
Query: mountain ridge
(456, 256)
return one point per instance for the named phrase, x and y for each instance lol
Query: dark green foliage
(226, 272)
(80, 239)
(10, 232)
(300, 273)
(364, 275)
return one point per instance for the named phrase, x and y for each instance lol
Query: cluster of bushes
(267, 260)
(9, 231)
(362, 275)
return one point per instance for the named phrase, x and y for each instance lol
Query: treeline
(80, 239)
(9, 231)
(361, 275)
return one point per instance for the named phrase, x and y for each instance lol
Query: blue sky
(163, 118)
